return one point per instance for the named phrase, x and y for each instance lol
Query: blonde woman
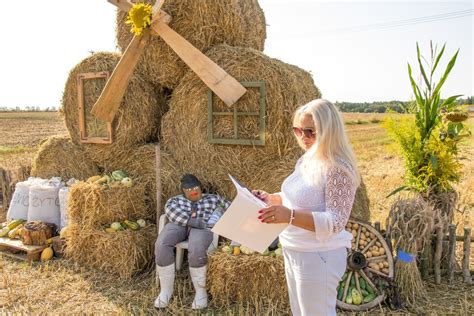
(316, 200)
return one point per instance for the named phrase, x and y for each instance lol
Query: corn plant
(429, 105)
(429, 143)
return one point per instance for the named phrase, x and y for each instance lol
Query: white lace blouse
(328, 193)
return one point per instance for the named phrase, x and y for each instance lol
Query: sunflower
(139, 17)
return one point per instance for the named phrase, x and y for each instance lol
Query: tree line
(28, 109)
(386, 106)
(364, 107)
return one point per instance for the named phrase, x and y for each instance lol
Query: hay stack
(59, 157)
(94, 205)
(411, 222)
(247, 279)
(184, 127)
(360, 209)
(204, 23)
(123, 253)
(137, 120)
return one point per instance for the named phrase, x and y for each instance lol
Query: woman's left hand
(275, 214)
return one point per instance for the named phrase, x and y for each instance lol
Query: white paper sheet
(240, 222)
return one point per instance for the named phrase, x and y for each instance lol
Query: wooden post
(158, 183)
(7, 191)
(437, 256)
(377, 226)
(451, 252)
(158, 196)
(424, 265)
(466, 255)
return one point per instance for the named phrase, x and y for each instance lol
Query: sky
(357, 51)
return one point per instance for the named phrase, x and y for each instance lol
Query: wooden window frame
(235, 114)
(84, 138)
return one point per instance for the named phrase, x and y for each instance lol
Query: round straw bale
(184, 127)
(123, 253)
(247, 279)
(59, 157)
(204, 23)
(360, 209)
(137, 120)
(94, 205)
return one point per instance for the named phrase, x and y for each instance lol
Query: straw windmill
(220, 82)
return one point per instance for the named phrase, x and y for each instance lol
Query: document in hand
(240, 221)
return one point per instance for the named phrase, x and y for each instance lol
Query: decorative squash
(47, 254)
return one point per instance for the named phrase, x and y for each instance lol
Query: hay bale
(204, 23)
(360, 209)
(59, 157)
(124, 253)
(137, 120)
(247, 279)
(93, 205)
(184, 127)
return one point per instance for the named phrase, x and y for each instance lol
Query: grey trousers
(172, 234)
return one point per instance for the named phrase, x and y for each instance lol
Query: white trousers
(312, 279)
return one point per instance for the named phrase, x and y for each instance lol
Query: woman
(316, 200)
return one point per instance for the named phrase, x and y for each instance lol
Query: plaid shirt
(178, 209)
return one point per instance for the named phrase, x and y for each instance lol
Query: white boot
(198, 276)
(166, 277)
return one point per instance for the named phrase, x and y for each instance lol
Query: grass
(62, 287)
(15, 149)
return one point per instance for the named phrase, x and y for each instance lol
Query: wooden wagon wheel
(369, 261)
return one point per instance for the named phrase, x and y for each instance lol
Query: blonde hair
(332, 145)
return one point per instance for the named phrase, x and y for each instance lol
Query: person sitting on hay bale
(191, 216)
(316, 200)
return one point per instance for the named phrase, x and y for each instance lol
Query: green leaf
(421, 68)
(449, 101)
(446, 73)
(399, 189)
(415, 88)
(438, 58)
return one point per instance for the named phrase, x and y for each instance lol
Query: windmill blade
(126, 5)
(226, 87)
(109, 100)
(123, 5)
(157, 7)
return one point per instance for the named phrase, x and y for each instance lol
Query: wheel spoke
(376, 258)
(377, 272)
(346, 286)
(366, 278)
(358, 238)
(356, 275)
(370, 244)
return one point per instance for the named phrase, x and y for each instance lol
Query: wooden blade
(157, 7)
(109, 100)
(123, 5)
(126, 5)
(216, 78)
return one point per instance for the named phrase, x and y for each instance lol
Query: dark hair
(189, 180)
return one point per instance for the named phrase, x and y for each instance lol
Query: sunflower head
(139, 17)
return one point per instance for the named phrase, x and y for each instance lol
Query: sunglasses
(307, 132)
